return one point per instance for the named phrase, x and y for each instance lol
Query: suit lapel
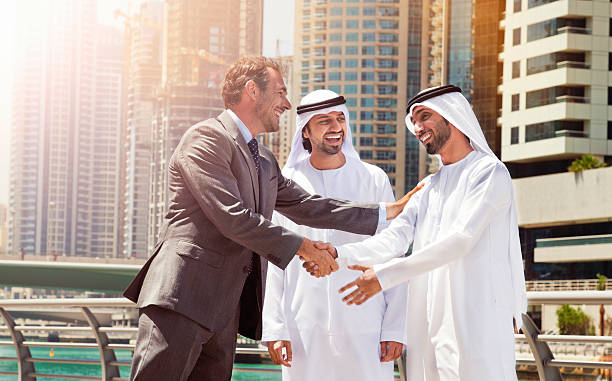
(227, 122)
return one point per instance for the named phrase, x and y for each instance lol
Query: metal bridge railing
(95, 318)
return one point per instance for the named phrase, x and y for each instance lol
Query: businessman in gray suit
(203, 281)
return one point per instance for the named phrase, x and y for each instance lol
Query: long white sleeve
(489, 193)
(390, 243)
(273, 315)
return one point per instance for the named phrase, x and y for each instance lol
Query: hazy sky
(278, 24)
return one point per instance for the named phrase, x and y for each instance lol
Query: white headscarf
(457, 111)
(298, 153)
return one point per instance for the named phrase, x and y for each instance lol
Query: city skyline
(278, 13)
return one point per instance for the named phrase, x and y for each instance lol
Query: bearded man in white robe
(465, 273)
(306, 326)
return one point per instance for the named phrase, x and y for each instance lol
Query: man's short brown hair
(244, 70)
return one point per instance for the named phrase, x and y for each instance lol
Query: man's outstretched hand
(395, 208)
(367, 286)
(318, 262)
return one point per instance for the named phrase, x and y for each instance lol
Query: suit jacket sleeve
(324, 213)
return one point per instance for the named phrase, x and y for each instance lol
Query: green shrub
(585, 162)
(573, 321)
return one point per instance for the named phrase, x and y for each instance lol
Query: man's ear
(305, 132)
(252, 91)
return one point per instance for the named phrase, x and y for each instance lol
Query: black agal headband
(321, 105)
(430, 93)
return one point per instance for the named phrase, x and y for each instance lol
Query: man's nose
(417, 128)
(286, 104)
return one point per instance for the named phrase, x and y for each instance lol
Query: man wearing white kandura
(465, 273)
(306, 326)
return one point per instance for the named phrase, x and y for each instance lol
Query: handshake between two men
(320, 259)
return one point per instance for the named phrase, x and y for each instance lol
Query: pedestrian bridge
(102, 277)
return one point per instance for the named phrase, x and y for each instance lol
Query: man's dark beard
(440, 138)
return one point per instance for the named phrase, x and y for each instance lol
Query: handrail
(107, 360)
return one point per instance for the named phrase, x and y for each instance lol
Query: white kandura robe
(330, 340)
(461, 300)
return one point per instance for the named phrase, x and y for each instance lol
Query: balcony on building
(566, 198)
(574, 249)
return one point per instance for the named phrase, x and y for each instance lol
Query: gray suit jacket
(219, 215)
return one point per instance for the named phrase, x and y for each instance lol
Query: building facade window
(556, 26)
(335, 50)
(367, 76)
(388, 168)
(368, 50)
(365, 154)
(350, 89)
(517, 6)
(352, 24)
(367, 102)
(367, 63)
(366, 115)
(369, 11)
(556, 60)
(334, 76)
(352, 11)
(335, 37)
(336, 11)
(366, 128)
(516, 36)
(350, 76)
(550, 95)
(514, 135)
(609, 96)
(351, 63)
(365, 141)
(535, 3)
(367, 89)
(352, 37)
(351, 50)
(516, 100)
(369, 24)
(609, 130)
(516, 69)
(368, 37)
(553, 129)
(335, 64)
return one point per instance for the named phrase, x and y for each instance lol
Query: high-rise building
(64, 131)
(3, 229)
(462, 49)
(144, 35)
(359, 49)
(201, 40)
(280, 142)
(557, 94)
(106, 143)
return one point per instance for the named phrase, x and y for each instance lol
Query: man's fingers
(322, 245)
(383, 351)
(289, 351)
(347, 286)
(416, 189)
(273, 351)
(353, 297)
(359, 268)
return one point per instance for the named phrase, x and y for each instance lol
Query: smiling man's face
(326, 132)
(432, 130)
(273, 102)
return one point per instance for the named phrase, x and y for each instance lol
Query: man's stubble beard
(269, 122)
(440, 138)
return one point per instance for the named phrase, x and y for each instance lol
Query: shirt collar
(244, 131)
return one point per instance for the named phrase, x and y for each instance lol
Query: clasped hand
(319, 262)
